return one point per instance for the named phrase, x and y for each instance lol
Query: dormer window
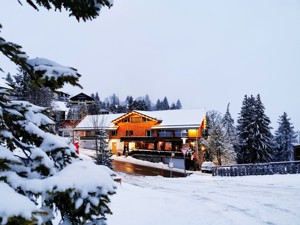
(136, 119)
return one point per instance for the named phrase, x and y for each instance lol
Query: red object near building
(76, 144)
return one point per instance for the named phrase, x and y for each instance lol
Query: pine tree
(254, 133)
(129, 102)
(264, 137)
(148, 102)
(114, 103)
(158, 105)
(95, 108)
(284, 138)
(35, 163)
(178, 104)
(165, 104)
(173, 106)
(230, 133)
(105, 155)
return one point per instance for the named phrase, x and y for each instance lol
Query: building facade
(166, 130)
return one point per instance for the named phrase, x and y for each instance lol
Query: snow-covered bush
(41, 174)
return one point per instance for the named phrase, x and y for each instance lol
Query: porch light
(183, 140)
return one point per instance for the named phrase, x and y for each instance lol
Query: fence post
(293, 168)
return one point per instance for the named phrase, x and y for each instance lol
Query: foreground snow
(198, 199)
(204, 199)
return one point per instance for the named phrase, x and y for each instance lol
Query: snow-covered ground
(207, 200)
(203, 199)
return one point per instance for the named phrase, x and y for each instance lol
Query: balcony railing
(180, 134)
(165, 134)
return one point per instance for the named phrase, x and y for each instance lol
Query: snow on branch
(13, 204)
(72, 182)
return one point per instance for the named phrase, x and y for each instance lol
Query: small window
(114, 133)
(126, 120)
(146, 119)
(148, 133)
(129, 133)
(136, 119)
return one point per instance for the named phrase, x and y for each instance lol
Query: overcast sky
(206, 53)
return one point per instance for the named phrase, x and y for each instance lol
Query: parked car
(207, 167)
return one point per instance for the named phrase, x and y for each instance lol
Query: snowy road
(203, 199)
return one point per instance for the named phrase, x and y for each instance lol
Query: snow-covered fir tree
(284, 138)
(178, 104)
(25, 89)
(264, 137)
(158, 105)
(165, 104)
(230, 133)
(38, 168)
(104, 156)
(129, 103)
(255, 143)
(148, 102)
(140, 104)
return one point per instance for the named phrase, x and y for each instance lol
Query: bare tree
(103, 154)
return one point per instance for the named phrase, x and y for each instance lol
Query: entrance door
(114, 147)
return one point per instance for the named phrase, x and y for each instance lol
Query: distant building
(59, 110)
(81, 99)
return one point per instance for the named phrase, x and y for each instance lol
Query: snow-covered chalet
(165, 130)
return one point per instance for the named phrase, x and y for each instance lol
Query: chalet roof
(105, 120)
(179, 118)
(81, 96)
(170, 119)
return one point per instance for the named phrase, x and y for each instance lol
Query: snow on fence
(289, 167)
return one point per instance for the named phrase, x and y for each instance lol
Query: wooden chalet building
(81, 99)
(165, 130)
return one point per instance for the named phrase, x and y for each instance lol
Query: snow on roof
(177, 118)
(104, 120)
(59, 106)
(181, 118)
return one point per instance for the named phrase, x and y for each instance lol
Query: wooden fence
(288, 167)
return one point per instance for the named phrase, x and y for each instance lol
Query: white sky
(205, 53)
